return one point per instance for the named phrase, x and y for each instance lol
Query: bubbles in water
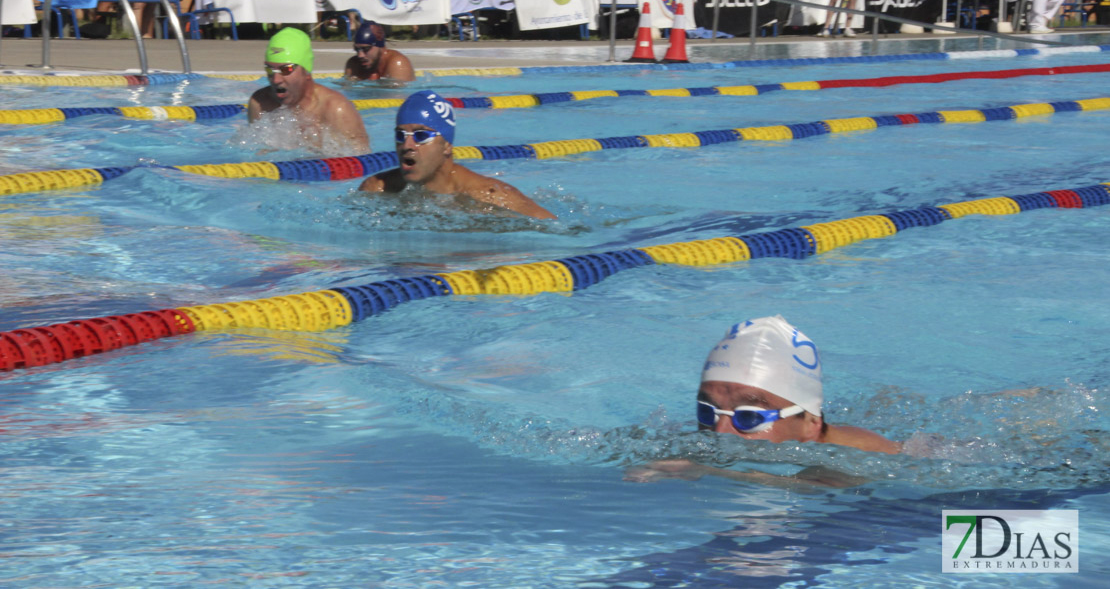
(283, 130)
(1002, 440)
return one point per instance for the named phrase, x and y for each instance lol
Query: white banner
(548, 14)
(662, 13)
(399, 12)
(464, 6)
(19, 12)
(268, 11)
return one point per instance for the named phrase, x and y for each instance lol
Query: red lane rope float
(322, 310)
(952, 76)
(220, 111)
(39, 346)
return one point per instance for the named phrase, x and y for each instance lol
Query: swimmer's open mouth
(281, 91)
(408, 161)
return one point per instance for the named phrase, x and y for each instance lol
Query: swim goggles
(364, 48)
(746, 419)
(286, 69)
(419, 136)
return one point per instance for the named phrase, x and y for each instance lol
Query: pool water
(483, 441)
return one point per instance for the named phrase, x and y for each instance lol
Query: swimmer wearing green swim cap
(373, 61)
(425, 137)
(763, 382)
(288, 65)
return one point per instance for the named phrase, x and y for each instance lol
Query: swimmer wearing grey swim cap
(425, 136)
(373, 61)
(763, 382)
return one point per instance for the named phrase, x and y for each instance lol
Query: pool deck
(100, 56)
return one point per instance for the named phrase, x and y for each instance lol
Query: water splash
(282, 130)
(988, 441)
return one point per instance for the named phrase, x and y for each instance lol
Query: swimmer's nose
(723, 425)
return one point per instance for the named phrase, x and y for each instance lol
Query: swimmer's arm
(807, 479)
(374, 183)
(254, 108)
(350, 69)
(390, 181)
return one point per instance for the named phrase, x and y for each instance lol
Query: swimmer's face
(803, 427)
(368, 55)
(420, 162)
(289, 88)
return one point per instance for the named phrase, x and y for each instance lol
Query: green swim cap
(291, 46)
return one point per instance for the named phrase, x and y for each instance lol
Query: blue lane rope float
(223, 111)
(325, 309)
(345, 168)
(157, 79)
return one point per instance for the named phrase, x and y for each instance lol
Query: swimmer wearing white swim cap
(763, 382)
(425, 137)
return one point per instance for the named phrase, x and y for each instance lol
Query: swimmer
(425, 133)
(289, 68)
(763, 382)
(372, 61)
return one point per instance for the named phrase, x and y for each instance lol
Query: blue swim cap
(431, 110)
(370, 33)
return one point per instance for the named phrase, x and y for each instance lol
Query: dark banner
(735, 16)
(927, 11)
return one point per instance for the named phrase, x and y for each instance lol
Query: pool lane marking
(337, 307)
(346, 168)
(221, 111)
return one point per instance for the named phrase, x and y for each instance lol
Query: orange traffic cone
(644, 52)
(676, 53)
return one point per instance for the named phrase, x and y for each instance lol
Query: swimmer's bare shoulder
(863, 439)
(340, 113)
(398, 67)
(497, 193)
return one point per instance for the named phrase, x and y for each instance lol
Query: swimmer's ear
(813, 426)
(448, 149)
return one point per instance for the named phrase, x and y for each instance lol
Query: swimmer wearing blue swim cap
(288, 65)
(372, 61)
(425, 136)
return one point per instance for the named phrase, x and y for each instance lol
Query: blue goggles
(419, 136)
(746, 419)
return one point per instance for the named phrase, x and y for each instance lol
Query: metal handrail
(129, 15)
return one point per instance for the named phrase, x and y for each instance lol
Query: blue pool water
(483, 441)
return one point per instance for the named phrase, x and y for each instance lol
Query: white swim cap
(770, 354)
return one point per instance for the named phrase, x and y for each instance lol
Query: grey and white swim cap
(770, 354)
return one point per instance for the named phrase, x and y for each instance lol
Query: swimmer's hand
(665, 469)
(806, 479)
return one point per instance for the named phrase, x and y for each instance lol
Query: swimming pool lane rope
(336, 307)
(346, 168)
(160, 79)
(40, 116)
